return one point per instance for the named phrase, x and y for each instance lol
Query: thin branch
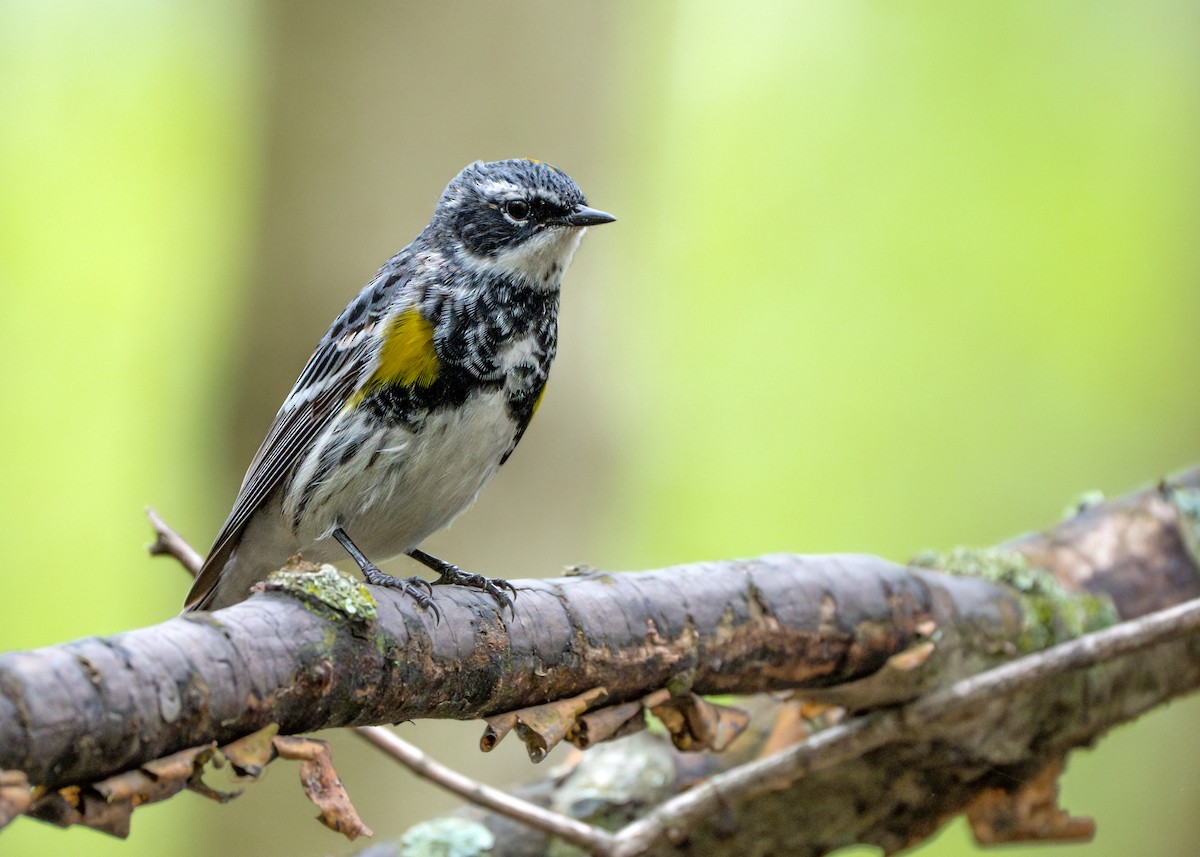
(1090, 650)
(858, 737)
(167, 542)
(576, 832)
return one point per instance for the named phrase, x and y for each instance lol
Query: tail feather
(207, 584)
(241, 558)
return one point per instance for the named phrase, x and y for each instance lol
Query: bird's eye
(516, 210)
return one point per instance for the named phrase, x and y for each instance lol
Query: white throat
(539, 262)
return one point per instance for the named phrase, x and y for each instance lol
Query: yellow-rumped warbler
(418, 392)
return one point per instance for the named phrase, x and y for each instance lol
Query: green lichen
(1187, 504)
(1187, 501)
(328, 587)
(612, 785)
(681, 683)
(447, 837)
(1084, 502)
(1052, 615)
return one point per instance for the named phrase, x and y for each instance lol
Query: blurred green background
(886, 277)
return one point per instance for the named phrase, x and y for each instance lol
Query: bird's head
(520, 218)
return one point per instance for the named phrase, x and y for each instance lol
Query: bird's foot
(416, 588)
(448, 573)
(493, 586)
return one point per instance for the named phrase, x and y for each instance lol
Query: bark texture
(310, 655)
(316, 650)
(902, 772)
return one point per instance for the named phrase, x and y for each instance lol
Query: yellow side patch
(537, 403)
(407, 356)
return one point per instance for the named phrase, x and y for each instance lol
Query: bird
(416, 395)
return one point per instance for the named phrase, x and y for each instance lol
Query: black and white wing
(339, 364)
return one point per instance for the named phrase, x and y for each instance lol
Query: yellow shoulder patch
(407, 356)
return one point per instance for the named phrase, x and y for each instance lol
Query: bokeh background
(886, 277)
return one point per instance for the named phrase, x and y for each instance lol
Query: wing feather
(333, 372)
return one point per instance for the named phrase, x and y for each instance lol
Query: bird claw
(423, 584)
(493, 586)
(416, 588)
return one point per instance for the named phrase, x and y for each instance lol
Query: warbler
(416, 395)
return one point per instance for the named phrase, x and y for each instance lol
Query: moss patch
(328, 587)
(1052, 615)
(1187, 504)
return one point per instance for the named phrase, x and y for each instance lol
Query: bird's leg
(450, 573)
(416, 588)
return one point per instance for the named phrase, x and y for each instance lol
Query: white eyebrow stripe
(499, 188)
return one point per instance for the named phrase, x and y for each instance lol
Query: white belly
(398, 488)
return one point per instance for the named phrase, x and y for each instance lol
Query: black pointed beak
(584, 216)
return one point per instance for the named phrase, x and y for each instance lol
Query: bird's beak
(584, 216)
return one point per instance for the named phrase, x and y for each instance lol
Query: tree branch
(990, 745)
(576, 832)
(317, 650)
(921, 720)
